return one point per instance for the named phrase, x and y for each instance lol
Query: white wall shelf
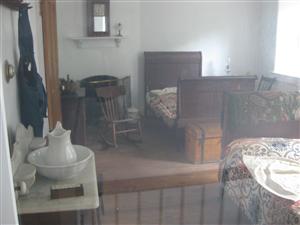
(91, 42)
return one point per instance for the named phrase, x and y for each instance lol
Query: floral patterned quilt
(253, 108)
(164, 104)
(261, 206)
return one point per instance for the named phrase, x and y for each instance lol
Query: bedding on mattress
(259, 204)
(163, 103)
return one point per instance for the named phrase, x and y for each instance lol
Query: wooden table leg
(93, 217)
(99, 216)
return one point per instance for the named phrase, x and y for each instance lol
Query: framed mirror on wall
(98, 17)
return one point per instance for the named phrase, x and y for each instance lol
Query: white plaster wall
(10, 52)
(84, 62)
(218, 29)
(8, 40)
(8, 209)
(268, 36)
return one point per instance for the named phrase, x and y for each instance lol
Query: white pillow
(159, 92)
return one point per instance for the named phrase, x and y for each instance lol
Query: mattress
(163, 103)
(259, 204)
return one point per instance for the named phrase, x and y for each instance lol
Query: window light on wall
(287, 58)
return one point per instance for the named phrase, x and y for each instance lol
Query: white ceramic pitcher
(60, 150)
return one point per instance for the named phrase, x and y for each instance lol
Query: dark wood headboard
(163, 69)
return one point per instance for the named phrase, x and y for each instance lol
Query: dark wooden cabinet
(74, 118)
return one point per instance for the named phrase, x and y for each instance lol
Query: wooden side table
(74, 117)
(37, 208)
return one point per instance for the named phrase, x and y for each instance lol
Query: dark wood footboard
(283, 129)
(202, 99)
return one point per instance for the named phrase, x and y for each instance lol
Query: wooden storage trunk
(203, 142)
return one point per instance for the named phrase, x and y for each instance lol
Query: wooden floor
(152, 183)
(157, 156)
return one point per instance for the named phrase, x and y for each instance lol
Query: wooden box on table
(203, 142)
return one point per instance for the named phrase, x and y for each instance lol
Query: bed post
(200, 65)
(177, 128)
(146, 87)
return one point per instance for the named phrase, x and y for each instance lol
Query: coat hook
(9, 71)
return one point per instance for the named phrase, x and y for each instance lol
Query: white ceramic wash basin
(37, 158)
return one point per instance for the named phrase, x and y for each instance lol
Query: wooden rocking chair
(115, 120)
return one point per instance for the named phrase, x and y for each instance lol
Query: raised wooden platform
(161, 182)
(153, 164)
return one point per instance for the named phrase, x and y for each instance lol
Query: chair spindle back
(112, 102)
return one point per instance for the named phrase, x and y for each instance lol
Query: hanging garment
(33, 98)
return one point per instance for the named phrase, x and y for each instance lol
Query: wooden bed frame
(283, 129)
(199, 98)
(164, 69)
(279, 129)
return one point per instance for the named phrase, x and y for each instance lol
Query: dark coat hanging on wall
(33, 98)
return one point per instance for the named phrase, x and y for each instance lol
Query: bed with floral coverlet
(253, 109)
(163, 103)
(260, 205)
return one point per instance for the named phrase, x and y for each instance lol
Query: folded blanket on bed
(163, 103)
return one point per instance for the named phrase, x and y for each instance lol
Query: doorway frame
(49, 27)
